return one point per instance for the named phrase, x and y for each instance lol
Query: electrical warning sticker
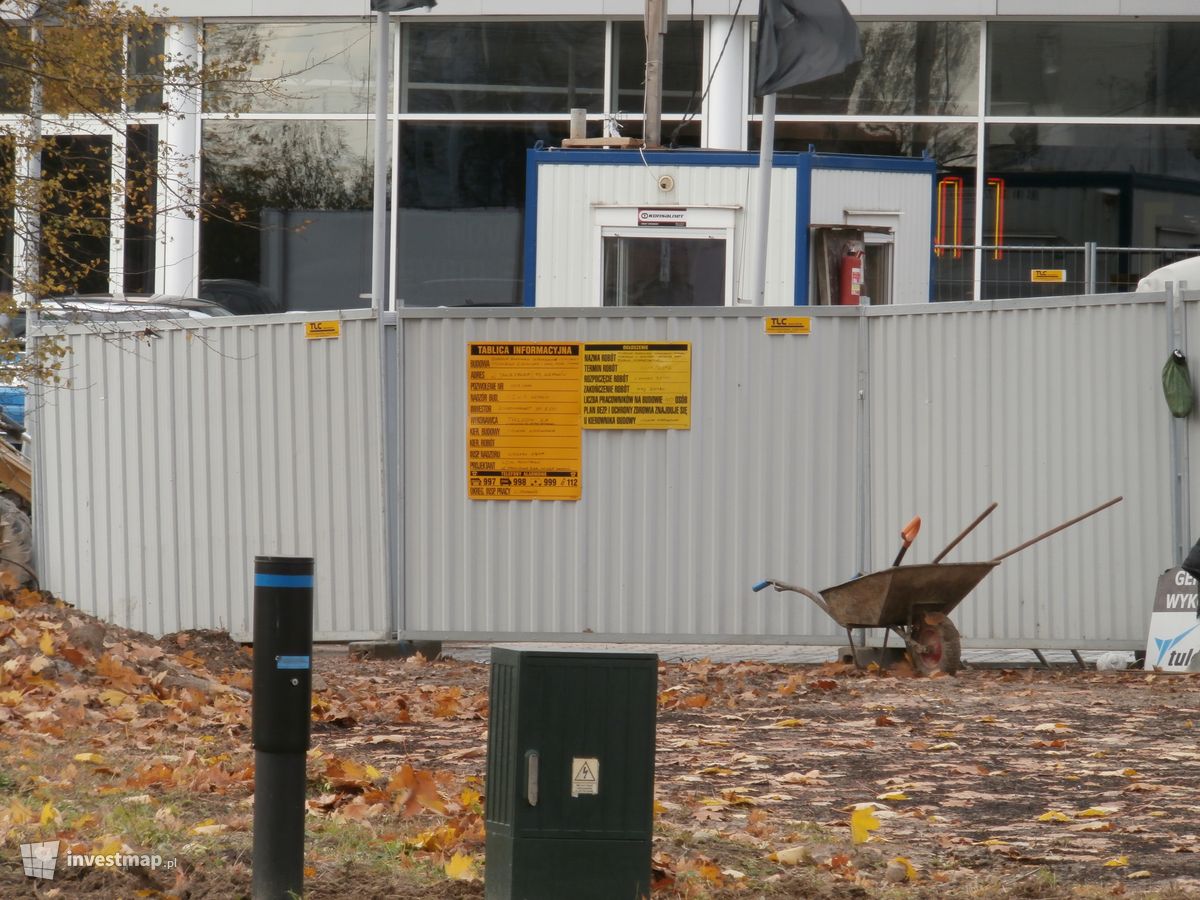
(585, 775)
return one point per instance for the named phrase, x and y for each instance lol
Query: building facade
(1056, 123)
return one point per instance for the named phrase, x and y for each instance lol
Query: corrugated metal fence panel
(1190, 330)
(568, 241)
(172, 461)
(1049, 409)
(674, 526)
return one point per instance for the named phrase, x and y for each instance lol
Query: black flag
(801, 41)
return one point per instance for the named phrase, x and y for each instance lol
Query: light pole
(382, 9)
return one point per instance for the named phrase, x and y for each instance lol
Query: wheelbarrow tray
(899, 596)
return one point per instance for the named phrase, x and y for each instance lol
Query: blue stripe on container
(293, 662)
(264, 579)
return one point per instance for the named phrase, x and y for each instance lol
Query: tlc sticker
(293, 662)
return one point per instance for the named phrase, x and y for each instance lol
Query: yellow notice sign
(1055, 276)
(315, 331)
(523, 433)
(641, 386)
(787, 325)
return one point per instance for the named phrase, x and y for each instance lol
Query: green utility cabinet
(570, 776)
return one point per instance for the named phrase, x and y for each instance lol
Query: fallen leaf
(461, 867)
(900, 869)
(90, 758)
(113, 697)
(1054, 816)
(862, 823)
(1116, 862)
(19, 813)
(792, 856)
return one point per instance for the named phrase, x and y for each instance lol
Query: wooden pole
(656, 29)
(1056, 529)
(962, 534)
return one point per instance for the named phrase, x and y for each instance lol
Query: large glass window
(146, 71)
(292, 218)
(908, 68)
(1118, 185)
(460, 230)
(683, 55)
(291, 67)
(502, 67)
(141, 208)
(75, 229)
(1127, 68)
(951, 145)
(84, 70)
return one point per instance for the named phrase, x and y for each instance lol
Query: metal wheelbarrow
(914, 602)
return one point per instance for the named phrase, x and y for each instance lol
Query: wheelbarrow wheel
(935, 647)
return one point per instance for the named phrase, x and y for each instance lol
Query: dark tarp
(801, 41)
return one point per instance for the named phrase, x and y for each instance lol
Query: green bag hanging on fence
(1177, 385)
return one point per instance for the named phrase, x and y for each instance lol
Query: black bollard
(281, 721)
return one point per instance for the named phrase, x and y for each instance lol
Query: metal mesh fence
(1014, 272)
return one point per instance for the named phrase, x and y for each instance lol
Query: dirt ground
(1038, 780)
(771, 780)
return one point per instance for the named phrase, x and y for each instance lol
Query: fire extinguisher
(851, 278)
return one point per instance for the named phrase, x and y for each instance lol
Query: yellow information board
(787, 325)
(639, 386)
(316, 331)
(523, 432)
(1048, 275)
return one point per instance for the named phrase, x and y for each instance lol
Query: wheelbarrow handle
(814, 596)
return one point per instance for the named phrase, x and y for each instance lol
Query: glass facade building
(1055, 131)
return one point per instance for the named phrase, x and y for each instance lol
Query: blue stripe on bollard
(293, 662)
(282, 581)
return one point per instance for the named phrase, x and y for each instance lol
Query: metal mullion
(118, 181)
(118, 175)
(980, 162)
(393, 126)
(610, 68)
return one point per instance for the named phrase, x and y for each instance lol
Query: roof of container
(806, 159)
